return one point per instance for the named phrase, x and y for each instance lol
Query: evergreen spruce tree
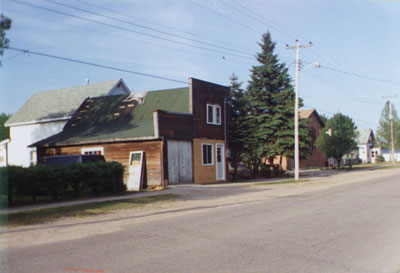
(272, 108)
(237, 130)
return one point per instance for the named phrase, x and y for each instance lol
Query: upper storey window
(213, 114)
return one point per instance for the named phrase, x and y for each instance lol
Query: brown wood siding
(119, 152)
(175, 126)
(204, 93)
(316, 159)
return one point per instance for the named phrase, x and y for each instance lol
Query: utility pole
(296, 108)
(391, 126)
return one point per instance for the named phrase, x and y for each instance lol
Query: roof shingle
(101, 124)
(59, 103)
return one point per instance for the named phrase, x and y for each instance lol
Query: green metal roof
(100, 124)
(59, 103)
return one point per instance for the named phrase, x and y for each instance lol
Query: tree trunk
(234, 165)
(338, 160)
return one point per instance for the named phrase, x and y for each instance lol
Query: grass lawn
(282, 182)
(84, 210)
(26, 200)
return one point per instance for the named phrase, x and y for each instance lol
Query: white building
(46, 113)
(365, 142)
(375, 153)
(386, 153)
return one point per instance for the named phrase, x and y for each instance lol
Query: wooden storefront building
(181, 133)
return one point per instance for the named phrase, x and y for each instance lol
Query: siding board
(119, 152)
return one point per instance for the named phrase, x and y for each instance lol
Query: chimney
(142, 98)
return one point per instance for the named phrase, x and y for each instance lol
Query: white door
(135, 171)
(220, 162)
(179, 162)
(173, 162)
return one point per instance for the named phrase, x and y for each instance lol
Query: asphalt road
(348, 228)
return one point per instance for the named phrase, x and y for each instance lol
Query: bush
(55, 181)
(380, 159)
(276, 170)
(266, 171)
(4, 187)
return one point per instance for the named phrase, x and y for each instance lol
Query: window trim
(214, 114)
(32, 157)
(212, 154)
(91, 149)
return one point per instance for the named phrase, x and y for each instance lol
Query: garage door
(180, 162)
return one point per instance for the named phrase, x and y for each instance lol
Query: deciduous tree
(5, 24)
(342, 138)
(383, 133)
(4, 131)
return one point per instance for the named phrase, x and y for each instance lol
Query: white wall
(364, 153)
(21, 136)
(387, 158)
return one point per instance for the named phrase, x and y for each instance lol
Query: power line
(92, 64)
(226, 17)
(361, 76)
(324, 111)
(144, 27)
(257, 17)
(325, 80)
(130, 30)
(130, 38)
(161, 25)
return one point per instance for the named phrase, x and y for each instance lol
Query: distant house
(365, 142)
(180, 133)
(46, 113)
(375, 153)
(386, 153)
(316, 159)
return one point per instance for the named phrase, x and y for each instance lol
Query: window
(213, 114)
(207, 154)
(32, 157)
(93, 151)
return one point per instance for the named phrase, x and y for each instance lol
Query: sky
(356, 43)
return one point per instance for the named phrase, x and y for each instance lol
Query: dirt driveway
(192, 199)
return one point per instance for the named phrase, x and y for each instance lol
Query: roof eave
(36, 121)
(110, 140)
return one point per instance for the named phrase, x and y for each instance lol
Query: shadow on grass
(20, 201)
(84, 210)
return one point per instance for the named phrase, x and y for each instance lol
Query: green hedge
(74, 179)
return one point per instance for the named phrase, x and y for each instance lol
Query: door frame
(135, 181)
(180, 144)
(217, 165)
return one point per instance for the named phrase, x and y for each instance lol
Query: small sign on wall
(136, 168)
